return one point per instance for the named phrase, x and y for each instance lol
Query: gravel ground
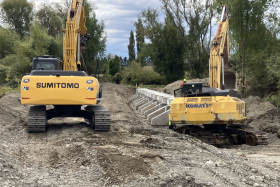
(132, 154)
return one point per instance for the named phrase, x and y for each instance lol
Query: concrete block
(133, 97)
(164, 99)
(156, 113)
(139, 102)
(136, 100)
(154, 97)
(142, 103)
(145, 105)
(169, 101)
(152, 110)
(159, 98)
(167, 108)
(148, 107)
(162, 119)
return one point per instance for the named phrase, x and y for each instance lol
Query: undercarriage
(222, 134)
(97, 116)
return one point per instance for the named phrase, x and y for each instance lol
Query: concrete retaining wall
(154, 105)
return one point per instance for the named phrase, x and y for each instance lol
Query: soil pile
(262, 115)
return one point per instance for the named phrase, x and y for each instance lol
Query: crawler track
(230, 135)
(101, 120)
(37, 119)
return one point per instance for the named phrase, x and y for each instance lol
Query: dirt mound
(262, 115)
(175, 85)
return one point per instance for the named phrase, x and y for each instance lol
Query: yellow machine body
(207, 110)
(62, 90)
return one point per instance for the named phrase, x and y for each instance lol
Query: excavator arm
(75, 35)
(219, 66)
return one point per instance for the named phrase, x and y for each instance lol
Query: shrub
(117, 78)
(135, 74)
(13, 68)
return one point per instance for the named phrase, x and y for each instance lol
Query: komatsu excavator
(210, 113)
(70, 91)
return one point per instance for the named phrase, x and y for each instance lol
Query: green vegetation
(29, 33)
(135, 74)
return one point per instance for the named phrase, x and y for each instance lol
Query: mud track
(131, 154)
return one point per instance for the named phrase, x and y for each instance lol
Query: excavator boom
(221, 75)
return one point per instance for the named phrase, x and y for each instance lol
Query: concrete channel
(153, 105)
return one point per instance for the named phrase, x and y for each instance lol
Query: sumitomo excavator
(62, 84)
(209, 112)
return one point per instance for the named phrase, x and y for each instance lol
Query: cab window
(45, 66)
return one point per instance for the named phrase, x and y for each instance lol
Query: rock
(252, 178)
(210, 184)
(220, 164)
(258, 185)
(162, 183)
(210, 163)
(253, 170)
(259, 178)
(267, 177)
(189, 178)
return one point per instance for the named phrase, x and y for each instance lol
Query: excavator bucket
(230, 81)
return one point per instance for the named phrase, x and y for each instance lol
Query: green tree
(42, 43)
(96, 46)
(8, 42)
(50, 17)
(139, 38)
(131, 47)
(114, 65)
(17, 14)
(165, 50)
(193, 20)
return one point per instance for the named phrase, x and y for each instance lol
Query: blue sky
(118, 16)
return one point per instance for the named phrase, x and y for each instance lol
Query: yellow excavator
(62, 84)
(209, 112)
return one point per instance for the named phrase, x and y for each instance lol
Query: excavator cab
(188, 88)
(47, 62)
(199, 89)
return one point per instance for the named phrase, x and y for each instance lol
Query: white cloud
(118, 16)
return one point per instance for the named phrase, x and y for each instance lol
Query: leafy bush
(117, 78)
(135, 74)
(7, 90)
(263, 74)
(274, 99)
(105, 77)
(12, 69)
